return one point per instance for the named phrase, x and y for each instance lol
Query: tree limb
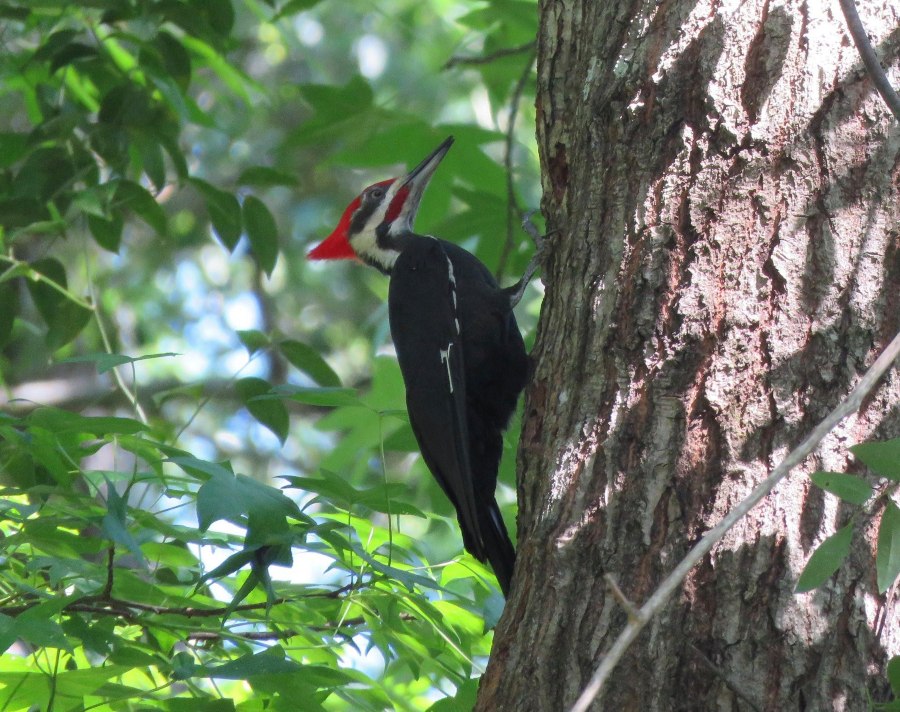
(869, 58)
(673, 581)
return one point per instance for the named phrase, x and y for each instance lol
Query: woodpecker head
(371, 225)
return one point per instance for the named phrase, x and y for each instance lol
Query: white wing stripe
(445, 358)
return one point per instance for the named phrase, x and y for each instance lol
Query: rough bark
(725, 183)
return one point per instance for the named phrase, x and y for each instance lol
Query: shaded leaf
(183, 666)
(307, 359)
(115, 524)
(106, 231)
(138, 199)
(887, 560)
(263, 176)
(825, 560)
(224, 212)
(107, 362)
(270, 412)
(253, 340)
(893, 673)
(262, 233)
(268, 662)
(317, 396)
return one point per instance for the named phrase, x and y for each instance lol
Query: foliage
(220, 522)
(882, 458)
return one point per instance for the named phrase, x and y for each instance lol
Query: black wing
(424, 325)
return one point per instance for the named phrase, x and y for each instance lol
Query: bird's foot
(541, 244)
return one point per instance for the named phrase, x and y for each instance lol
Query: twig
(869, 58)
(672, 582)
(620, 596)
(512, 206)
(488, 58)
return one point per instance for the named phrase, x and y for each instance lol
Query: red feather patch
(337, 245)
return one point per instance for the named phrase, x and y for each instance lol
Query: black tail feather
(501, 554)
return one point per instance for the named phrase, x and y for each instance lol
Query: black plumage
(464, 364)
(460, 351)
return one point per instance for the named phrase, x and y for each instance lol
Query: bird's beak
(405, 203)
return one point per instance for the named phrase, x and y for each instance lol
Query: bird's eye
(377, 193)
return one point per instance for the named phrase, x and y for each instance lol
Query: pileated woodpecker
(460, 351)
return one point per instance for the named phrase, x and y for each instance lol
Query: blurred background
(165, 167)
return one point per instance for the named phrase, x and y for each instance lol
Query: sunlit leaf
(883, 457)
(848, 487)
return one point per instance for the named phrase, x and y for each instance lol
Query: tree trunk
(725, 183)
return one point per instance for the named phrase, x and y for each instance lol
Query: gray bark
(727, 188)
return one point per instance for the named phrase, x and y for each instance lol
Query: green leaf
(9, 297)
(59, 422)
(150, 151)
(233, 563)
(228, 497)
(217, 500)
(271, 413)
(253, 340)
(13, 146)
(219, 15)
(47, 297)
(882, 457)
(262, 176)
(317, 396)
(825, 560)
(183, 666)
(68, 321)
(893, 674)
(203, 469)
(42, 632)
(848, 487)
(307, 359)
(262, 233)
(176, 60)
(292, 7)
(269, 662)
(72, 53)
(462, 701)
(138, 199)
(887, 560)
(106, 231)
(115, 525)
(224, 212)
(107, 362)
